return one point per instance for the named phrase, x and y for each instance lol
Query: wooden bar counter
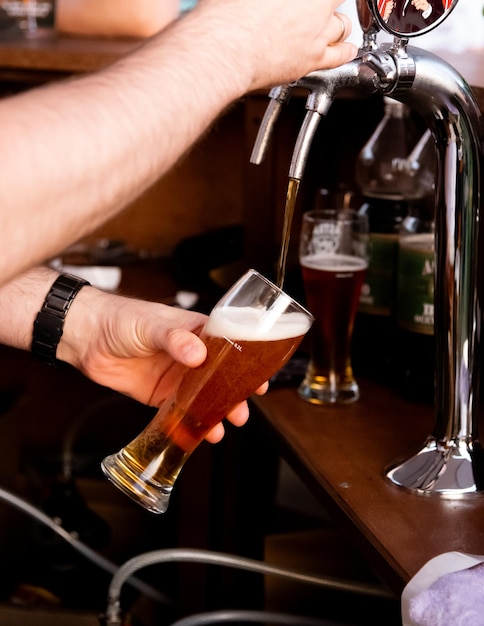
(341, 453)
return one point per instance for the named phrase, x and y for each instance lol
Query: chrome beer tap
(323, 86)
(451, 461)
(371, 71)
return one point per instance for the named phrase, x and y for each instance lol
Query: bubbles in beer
(334, 262)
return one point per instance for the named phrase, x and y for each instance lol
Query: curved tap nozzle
(317, 105)
(371, 71)
(278, 97)
(323, 86)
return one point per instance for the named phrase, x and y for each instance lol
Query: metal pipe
(191, 555)
(451, 462)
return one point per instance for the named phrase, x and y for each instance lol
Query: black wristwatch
(49, 323)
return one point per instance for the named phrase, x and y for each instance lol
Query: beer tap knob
(384, 66)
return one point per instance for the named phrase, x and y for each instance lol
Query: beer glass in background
(250, 334)
(332, 255)
(30, 18)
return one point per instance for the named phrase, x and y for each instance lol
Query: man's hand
(137, 348)
(281, 40)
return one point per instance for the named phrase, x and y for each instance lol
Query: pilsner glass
(250, 334)
(332, 255)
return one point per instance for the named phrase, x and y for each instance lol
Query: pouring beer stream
(291, 197)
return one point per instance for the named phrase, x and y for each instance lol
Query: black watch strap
(49, 323)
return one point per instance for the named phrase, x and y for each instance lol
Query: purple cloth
(456, 599)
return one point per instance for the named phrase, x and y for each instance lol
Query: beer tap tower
(451, 461)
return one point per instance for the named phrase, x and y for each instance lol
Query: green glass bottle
(416, 275)
(385, 205)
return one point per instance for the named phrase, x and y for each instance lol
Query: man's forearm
(96, 143)
(74, 154)
(20, 301)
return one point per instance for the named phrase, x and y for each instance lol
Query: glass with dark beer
(250, 334)
(332, 255)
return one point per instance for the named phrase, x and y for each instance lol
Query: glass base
(152, 496)
(325, 393)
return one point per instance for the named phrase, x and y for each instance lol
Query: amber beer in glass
(250, 334)
(333, 265)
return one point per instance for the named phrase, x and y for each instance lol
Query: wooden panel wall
(204, 191)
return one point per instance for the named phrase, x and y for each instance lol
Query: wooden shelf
(61, 53)
(341, 452)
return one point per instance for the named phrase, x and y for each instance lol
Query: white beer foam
(250, 324)
(334, 262)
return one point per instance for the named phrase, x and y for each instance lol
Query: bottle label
(378, 292)
(415, 294)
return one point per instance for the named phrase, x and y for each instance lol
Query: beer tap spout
(305, 139)
(324, 86)
(278, 97)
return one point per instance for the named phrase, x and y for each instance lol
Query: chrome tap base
(448, 469)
